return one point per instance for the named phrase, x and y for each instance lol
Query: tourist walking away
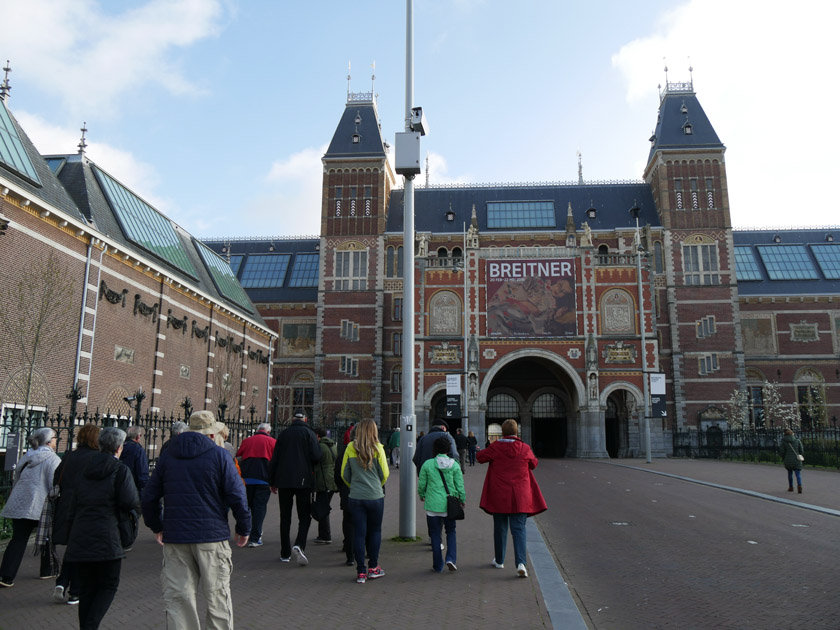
(425, 444)
(463, 445)
(346, 515)
(68, 478)
(394, 447)
(177, 429)
(793, 454)
(33, 479)
(365, 470)
(198, 484)
(325, 486)
(134, 456)
(291, 475)
(254, 456)
(472, 445)
(441, 477)
(510, 493)
(105, 496)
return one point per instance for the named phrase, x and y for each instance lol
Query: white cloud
(760, 75)
(90, 58)
(439, 172)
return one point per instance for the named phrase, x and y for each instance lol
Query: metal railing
(822, 446)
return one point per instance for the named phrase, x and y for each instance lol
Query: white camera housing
(418, 121)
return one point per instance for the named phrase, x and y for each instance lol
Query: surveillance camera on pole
(407, 160)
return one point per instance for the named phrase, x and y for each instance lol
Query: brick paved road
(642, 551)
(268, 594)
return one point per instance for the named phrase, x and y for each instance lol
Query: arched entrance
(438, 412)
(620, 406)
(538, 389)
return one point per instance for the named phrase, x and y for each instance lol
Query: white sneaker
(58, 594)
(301, 558)
(497, 565)
(521, 570)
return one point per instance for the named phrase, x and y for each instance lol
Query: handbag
(801, 458)
(454, 507)
(321, 506)
(128, 521)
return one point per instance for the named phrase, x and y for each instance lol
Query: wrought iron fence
(156, 430)
(822, 446)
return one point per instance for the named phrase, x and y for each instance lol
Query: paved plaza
(624, 545)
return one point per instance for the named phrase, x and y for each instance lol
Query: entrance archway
(542, 392)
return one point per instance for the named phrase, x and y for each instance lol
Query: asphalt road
(644, 551)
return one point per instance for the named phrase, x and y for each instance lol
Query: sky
(217, 112)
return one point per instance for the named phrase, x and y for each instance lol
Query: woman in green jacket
(791, 450)
(430, 487)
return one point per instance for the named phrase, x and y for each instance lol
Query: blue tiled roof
(676, 109)
(803, 240)
(294, 248)
(612, 203)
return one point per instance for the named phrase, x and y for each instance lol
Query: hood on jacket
(190, 444)
(101, 466)
(444, 462)
(327, 441)
(35, 458)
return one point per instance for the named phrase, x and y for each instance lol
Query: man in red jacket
(254, 455)
(510, 493)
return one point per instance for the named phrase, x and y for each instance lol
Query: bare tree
(36, 314)
(227, 375)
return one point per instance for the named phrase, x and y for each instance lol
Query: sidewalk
(268, 594)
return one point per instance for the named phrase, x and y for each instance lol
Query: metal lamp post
(634, 211)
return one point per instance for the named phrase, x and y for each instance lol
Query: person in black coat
(68, 477)
(95, 545)
(291, 476)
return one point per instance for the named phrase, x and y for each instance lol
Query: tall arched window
(502, 407)
(657, 257)
(389, 262)
(548, 406)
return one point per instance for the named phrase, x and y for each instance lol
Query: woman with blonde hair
(364, 469)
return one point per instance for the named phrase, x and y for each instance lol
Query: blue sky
(218, 111)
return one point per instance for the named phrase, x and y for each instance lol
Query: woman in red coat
(510, 494)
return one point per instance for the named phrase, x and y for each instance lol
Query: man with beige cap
(198, 482)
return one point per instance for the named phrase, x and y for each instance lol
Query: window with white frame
(349, 365)
(700, 263)
(396, 380)
(349, 330)
(350, 270)
(706, 327)
(396, 344)
(398, 309)
(707, 364)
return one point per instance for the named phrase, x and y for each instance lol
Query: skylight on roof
(235, 262)
(262, 271)
(828, 258)
(223, 276)
(787, 262)
(144, 226)
(12, 154)
(746, 266)
(304, 271)
(520, 214)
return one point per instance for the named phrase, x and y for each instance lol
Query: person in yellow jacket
(365, 470)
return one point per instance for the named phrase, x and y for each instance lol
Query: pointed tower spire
(373, 79)
(580, 168)
(571, 230)
(427, 169)
(82, 144)
(348, 81)
(5, 88)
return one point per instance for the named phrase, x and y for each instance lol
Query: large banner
(531, 298)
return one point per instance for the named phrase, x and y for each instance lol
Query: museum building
(106, 300)
(555, 304)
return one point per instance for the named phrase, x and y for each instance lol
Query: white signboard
(453, 384)
(657, 384)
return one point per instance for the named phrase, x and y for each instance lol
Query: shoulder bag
(801, 458)
(454, 507)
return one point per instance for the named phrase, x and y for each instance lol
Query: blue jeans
(367, 530)
(436, 523)
(798, 477)
(258, 495)
(517, 530)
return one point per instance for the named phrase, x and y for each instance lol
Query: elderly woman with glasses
(32, 482)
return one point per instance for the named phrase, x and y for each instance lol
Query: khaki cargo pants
(186, 567)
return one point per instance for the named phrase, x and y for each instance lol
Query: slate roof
(803, 237)
(51, 191)
(612, 202)
(670, 133)
(368, 130)
(77, 176)
(282, 246)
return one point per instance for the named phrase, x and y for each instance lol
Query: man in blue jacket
(134, 456)
(291, 476)
(198, 482)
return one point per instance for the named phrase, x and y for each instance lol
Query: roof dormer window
(592, 213)
(356, 138)
(687, 129)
